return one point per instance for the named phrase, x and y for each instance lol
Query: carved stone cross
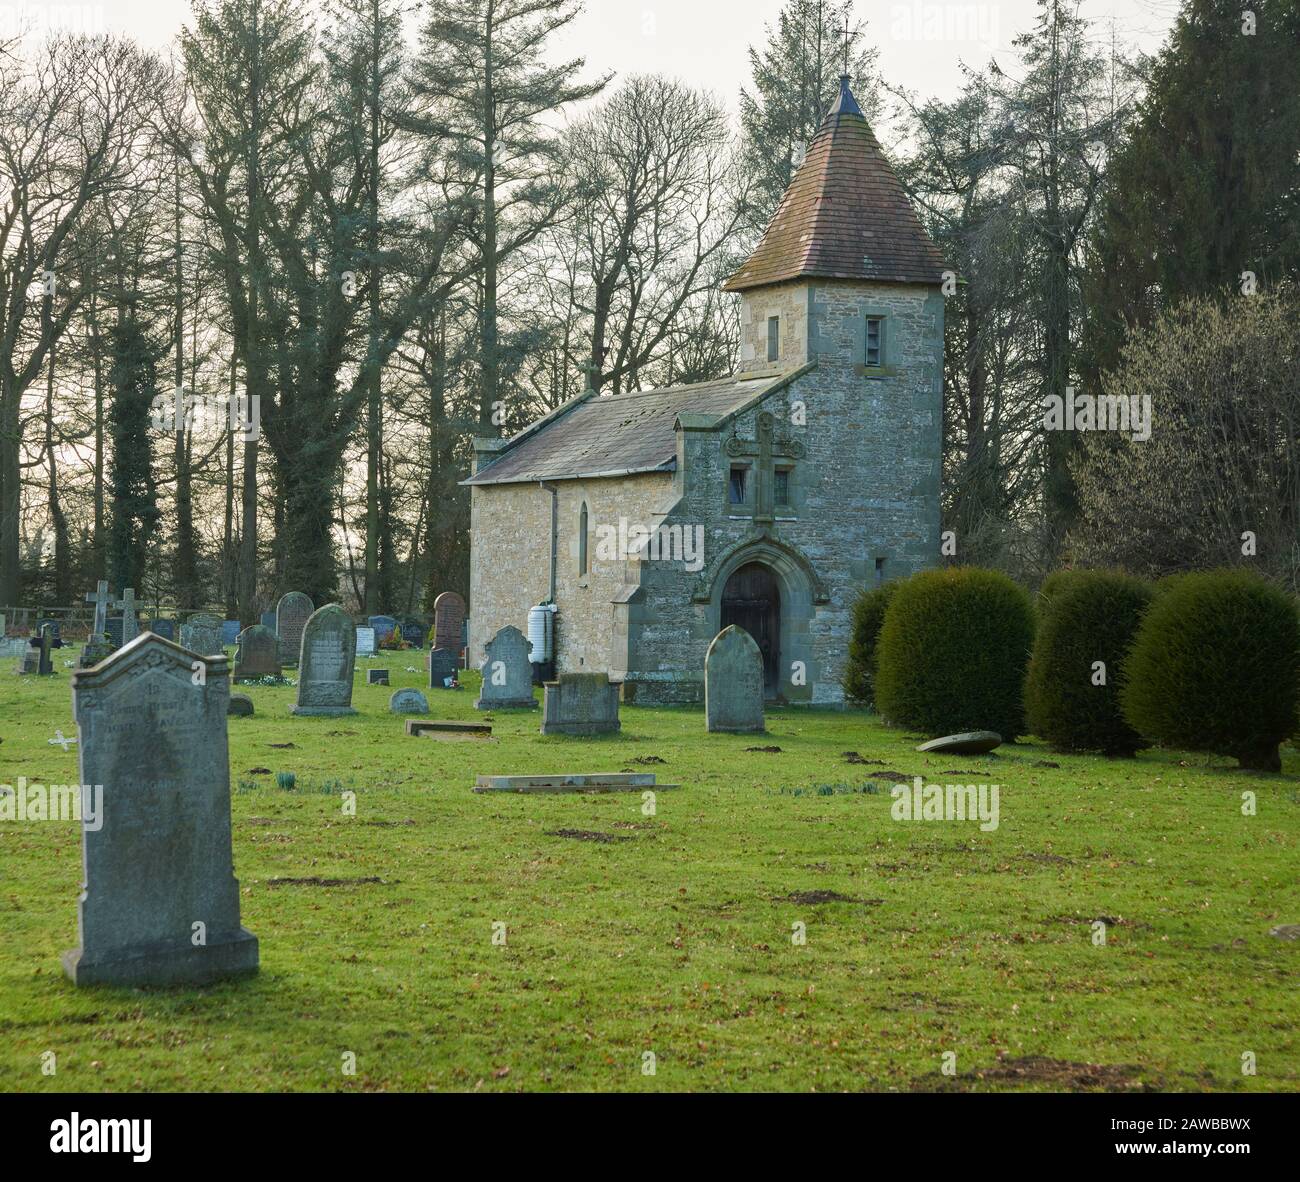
(100, 599)
(766, 450)
(127, 604)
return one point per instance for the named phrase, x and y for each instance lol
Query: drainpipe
(554, 490)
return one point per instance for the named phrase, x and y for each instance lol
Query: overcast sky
(705, 42)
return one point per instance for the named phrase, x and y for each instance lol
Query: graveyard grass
(675, 937)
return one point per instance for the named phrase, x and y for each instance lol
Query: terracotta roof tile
(844, 216)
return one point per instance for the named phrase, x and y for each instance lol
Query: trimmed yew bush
(868, 616)
(1215, 667)
(1071, 700)
(952, 653)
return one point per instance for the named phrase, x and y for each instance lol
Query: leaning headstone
(448, 621)
(507, 675)
(241, 706)
(733, 683)
(384, 627)
(329, 650)
(201, 633)
(365, 642)
(376, 676)
(230, 630)
(258, 654)
(130, 627)
(160, 904)
(442, 665)
(581, 704)
(408, 701)
(291, 617)
(969, 743)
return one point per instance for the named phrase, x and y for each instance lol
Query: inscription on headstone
(258, 654)
(365, 642)
(201, 633)
(580, 704)
(291, 617)
(449, 621)
(408, 701)
(442, 665)
(329, 649)
(507, 675)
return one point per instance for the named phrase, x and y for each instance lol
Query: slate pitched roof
(618, 434)
(844, 216)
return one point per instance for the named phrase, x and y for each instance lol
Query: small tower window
(875, 342)
(582, 540)
(781, 487)
(736, 487)
(773, 338)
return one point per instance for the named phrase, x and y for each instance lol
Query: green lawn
(676, 938)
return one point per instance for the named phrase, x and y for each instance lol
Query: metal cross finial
(848, 35)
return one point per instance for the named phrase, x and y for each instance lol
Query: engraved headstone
(442, 666)
(384, 627)
(164, 628)
(413, 633)
(365, 642)
(329, 649)
(160, 904)
(291, 617)
(733, 683)
(449, 621)
(130, 627)
(580, 704)
(230, 630)
(376, 676)
(201, 633)
(507, 675)
(258, 654)
(114, 629)
(408, 701)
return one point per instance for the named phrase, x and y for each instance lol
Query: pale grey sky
(705, 42)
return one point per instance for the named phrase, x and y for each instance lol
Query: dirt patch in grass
(386, 824)
(854, 757)
(325, 882)
(584, 835)
(258, 771)
(769, 750)
(648, 759)
(828, 897)
(1050, 859)
(283, 746)
(892, 776)
(1060, 1074)
(1045, 763)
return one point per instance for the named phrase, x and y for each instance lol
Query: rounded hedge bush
(868, 614)
(1090, 616)
(952, 653)
(1215, 667)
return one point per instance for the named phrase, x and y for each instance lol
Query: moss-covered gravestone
(733, 683)
(160, 904)
(329, 656)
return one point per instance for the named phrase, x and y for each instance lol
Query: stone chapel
(768, 499)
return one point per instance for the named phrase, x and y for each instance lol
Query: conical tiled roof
(844, 216)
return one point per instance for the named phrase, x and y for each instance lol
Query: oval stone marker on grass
(969, 743)
(408, 701)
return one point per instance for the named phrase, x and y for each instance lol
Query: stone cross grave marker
(507, 674)
(130, 629)
(329, 652)
(733, 683)
(258, 654)
(449, 622)
(160, 902)
(291, 615)
(99, 597)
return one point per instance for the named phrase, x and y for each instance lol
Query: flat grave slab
(969, 743)
(573, 782)
(433, 728)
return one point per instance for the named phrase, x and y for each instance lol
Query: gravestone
(442, 664)
(733, 683)
(230, 630)
(99, 597)
(291, 615)
(55, 629)
(967, 743)
(241, 706)
(4, 627)
(115, 629)
(329, 650)
(581, 704)
(160, 903)
(365, 642)
(268, 620)
(37, 659)
(384, 627)
(413, 633)
(258, 654)
(449, 621)
(376, 676)
(408, 701)
(130, 626)
(164, 628)
(13, 646)
(201, 634)
(507, 675)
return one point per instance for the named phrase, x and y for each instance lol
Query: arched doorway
(751, 599)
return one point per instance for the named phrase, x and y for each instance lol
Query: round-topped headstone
(408, 701)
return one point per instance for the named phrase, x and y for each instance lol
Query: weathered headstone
(733, 683)
(442, 664)
(130, 626)
(365, 642)
(164, 628)
(230, 630)
(241, 706)
(258, 654)
(160, 904)
(376, 676)
(201, 633)
(329, 650)
(581, 704)
(291, 615)
(507, 675)
(115, 629)
(55, 630)
(384, 627)
(268, 620)
(99, 597)
(13, 646)
(37, 658)
(413, 633)
(408, 701)
(449, 621)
